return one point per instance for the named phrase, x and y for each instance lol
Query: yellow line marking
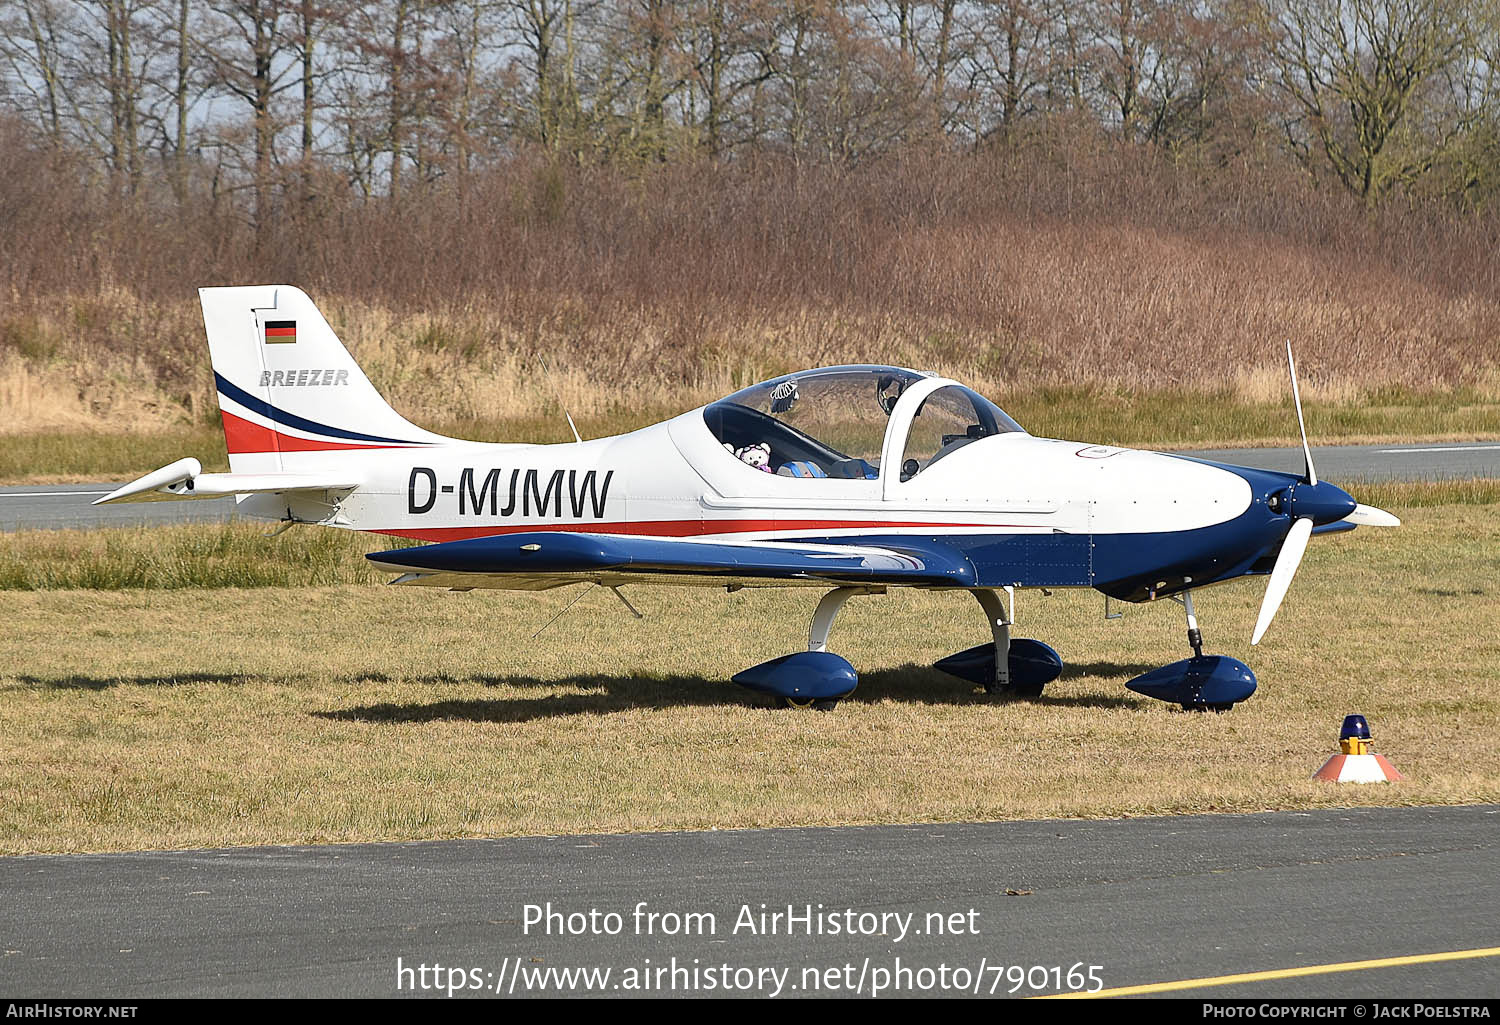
(1279, 973)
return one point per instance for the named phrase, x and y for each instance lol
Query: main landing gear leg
(827, 611)
(1000, 618)
(1017, 666)
(815, 678)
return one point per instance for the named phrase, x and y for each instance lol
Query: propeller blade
(1312, 475)
(1281, 574)
(1369, 516)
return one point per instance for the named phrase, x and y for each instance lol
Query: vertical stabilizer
(291, 396)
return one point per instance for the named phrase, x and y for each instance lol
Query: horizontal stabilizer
(184, 479)
(545, 559)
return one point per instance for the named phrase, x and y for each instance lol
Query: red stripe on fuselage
(673, 528)
(242, 436)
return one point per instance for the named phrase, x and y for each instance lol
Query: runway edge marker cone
(1356, 762)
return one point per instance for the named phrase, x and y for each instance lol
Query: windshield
(822, 423)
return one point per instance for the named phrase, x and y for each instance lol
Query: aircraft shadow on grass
(605, 694)
(79, 682)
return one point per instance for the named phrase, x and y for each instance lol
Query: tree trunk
(180, 106)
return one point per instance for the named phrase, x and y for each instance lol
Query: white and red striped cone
(1356, 762)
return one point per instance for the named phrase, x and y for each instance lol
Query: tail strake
(289, 392)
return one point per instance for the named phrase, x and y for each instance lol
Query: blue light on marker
(1355, 728)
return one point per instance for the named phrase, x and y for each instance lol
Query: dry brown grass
(140, 719)
(1062, 264)
(473, 374)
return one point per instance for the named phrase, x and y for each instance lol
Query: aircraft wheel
(1219, 708)
(817, 704)
(1017, 690)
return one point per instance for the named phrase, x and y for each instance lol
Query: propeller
(1281, 574)
(1290, 556)
(1308, 472)
(1308, 504)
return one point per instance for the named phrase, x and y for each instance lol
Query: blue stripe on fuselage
(1126, 566)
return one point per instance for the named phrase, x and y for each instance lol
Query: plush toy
(758, 456)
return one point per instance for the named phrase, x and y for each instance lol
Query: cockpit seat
(854, 469)
(800, 468)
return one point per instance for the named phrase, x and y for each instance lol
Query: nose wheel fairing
(1204, 681)
(1214, 682)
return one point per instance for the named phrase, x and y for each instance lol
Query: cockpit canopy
(832, 422)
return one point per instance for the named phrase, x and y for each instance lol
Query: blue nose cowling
(1321, 502)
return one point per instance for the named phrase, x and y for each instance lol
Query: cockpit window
(823, 423)
(949, 419)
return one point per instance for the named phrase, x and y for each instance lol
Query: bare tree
(1006, 66)
(728, 49)
(465, 30)
(181, 99)
(33, 36)
(544, 29)
(250, 62)
(1356, 74)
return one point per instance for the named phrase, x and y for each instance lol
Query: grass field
(151, 718)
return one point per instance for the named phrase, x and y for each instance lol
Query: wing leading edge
(544, 559)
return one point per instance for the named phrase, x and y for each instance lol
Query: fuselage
(1026, 511)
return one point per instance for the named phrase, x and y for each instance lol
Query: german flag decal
(279, 331)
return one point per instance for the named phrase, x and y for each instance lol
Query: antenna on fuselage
(557, 394)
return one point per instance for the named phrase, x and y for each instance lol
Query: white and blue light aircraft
(852, 478)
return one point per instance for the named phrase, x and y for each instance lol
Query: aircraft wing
(545, 559)
(185, 479)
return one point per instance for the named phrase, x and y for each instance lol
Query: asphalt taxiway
(1151, 901)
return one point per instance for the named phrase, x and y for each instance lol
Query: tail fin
(289, 392)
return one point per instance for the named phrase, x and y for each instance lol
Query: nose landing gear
(1201, 683)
